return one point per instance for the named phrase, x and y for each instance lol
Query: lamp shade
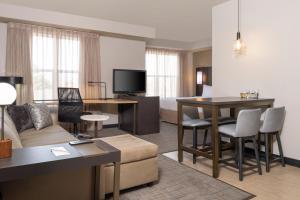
(199, 77)
(8, 94)
(13, 80)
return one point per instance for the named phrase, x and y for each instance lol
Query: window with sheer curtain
(55, 62)
(48, 58)
(163, 73)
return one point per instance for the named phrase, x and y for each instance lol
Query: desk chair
(70, 107)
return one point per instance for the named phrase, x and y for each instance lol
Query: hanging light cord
(238, 34)
(238, 15)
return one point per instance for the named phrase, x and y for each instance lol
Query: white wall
(270, 30)
(3, 33)
(75, 21)
(119, 53)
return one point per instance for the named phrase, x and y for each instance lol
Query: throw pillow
(40, 115)
(20, 116)
(10, 131)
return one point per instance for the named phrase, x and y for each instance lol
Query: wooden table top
(223, 100)
(109, 101)
(32, 161)
(93, 101)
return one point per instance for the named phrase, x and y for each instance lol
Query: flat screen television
(127, 81)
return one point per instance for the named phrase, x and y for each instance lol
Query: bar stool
(246, 128)
(272, 125)
(191, 120)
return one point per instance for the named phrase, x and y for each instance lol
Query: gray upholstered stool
(192, 121)
(272, 125)
(246, 128)
(221, 121)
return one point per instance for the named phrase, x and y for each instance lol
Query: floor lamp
(100, 82)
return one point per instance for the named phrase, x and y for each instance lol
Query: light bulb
(238, 45)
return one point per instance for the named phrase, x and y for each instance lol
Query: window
(163, 70)
(55, 61)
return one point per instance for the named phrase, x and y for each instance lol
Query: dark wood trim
(214, 105)
(206, 79)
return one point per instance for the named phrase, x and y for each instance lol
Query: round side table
(95, 119)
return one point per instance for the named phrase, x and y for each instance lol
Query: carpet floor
(166, 139)
(178, 181)
(181, 182)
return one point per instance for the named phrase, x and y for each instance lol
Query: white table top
(94, 118)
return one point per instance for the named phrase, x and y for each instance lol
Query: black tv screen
(129, 81)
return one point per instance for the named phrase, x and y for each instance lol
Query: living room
(149, 99)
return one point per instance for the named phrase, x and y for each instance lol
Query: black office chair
(70, 107)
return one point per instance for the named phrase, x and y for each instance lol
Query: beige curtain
(55, 61)
(188, 73)
(163, 72)
(48, 58)
(18, 58)
(90, 65)
(181, 73)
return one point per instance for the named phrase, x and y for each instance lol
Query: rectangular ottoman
(139, 162)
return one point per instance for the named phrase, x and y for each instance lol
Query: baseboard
(289, 161)
(110, 126)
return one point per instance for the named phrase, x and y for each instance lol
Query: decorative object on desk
(7, 99)
(249, 95)
(100, 82)
(244, 95)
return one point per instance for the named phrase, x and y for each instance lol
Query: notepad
(60, 151)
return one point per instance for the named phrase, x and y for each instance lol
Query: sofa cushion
(132, 148)
(20, 116)
(40, 115)
(50, 135)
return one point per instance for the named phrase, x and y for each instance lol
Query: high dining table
(214, 105)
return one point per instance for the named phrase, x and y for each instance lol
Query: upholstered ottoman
(139, 162)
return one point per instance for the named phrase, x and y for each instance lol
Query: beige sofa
(138, 166)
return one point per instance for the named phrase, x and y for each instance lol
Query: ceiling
(174, 20)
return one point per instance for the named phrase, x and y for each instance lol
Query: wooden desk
(108, 101)
(34, 161)
(87, 102)
(91, 101)
(214, 105)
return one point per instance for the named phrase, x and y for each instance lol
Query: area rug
(178, 181)
(166, 139)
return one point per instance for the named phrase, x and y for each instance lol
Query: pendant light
(238, 45)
